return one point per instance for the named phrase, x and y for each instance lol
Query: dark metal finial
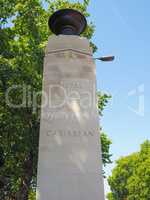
(67, 22)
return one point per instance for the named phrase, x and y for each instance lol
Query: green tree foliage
(23, 36)
(130, 178)
(106, 142)
(103, 99)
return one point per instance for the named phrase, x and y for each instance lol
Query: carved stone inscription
(69, 151)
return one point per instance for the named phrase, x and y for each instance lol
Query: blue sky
(122, 29)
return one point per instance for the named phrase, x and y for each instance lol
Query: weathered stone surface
(69, 152)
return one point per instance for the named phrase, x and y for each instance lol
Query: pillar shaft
(69, 166)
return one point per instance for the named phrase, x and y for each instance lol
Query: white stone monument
(70, 166)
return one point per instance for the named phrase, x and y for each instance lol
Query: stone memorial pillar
(70, 166)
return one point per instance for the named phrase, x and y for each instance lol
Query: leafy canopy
(131, 177)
